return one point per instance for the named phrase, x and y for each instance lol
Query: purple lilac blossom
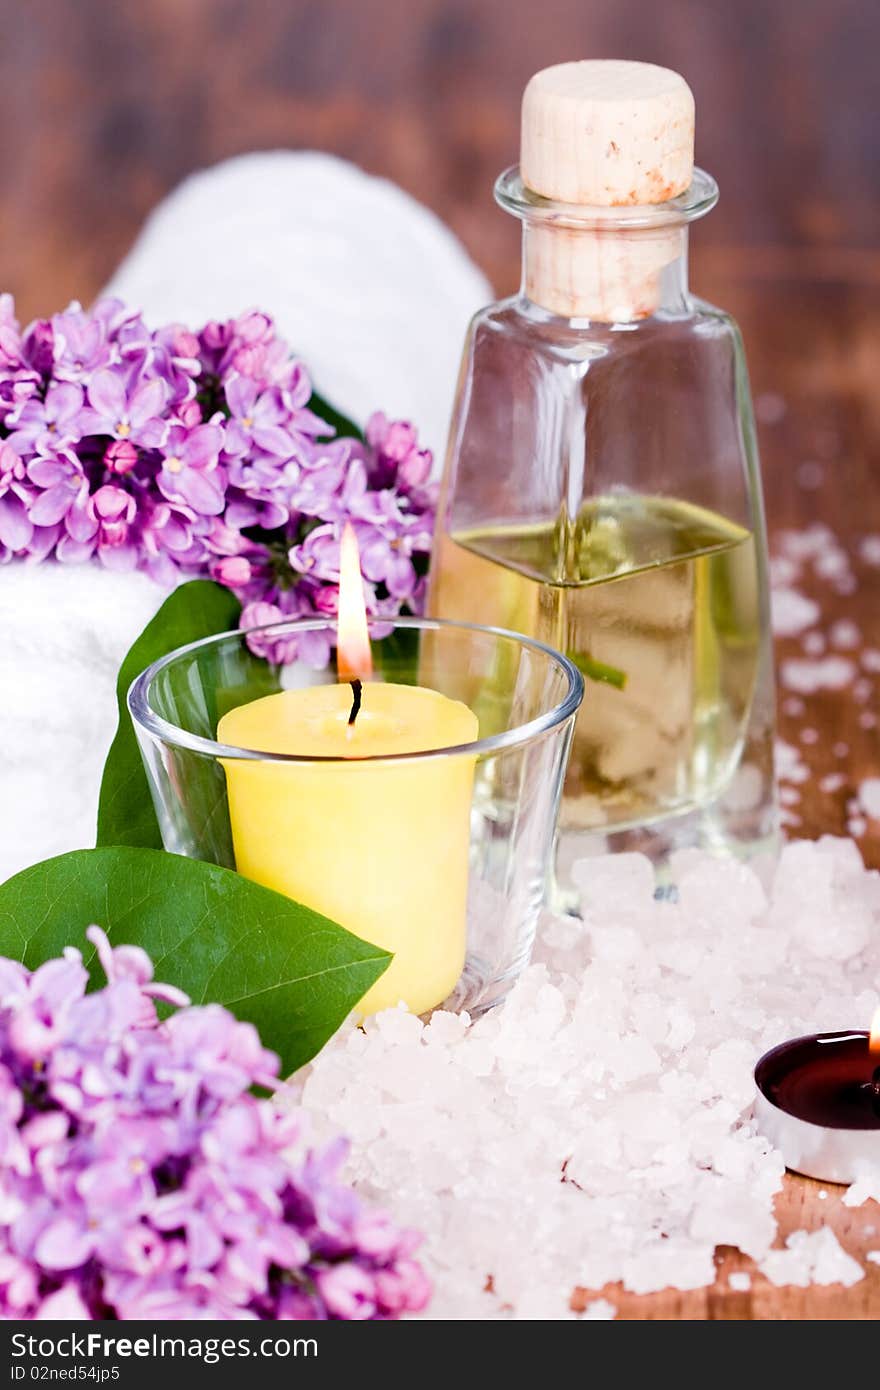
(184, 454)
(141, 1178)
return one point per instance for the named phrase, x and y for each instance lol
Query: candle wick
(875, 1089)
(356, 692)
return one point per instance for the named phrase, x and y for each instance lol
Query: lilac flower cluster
(140, 1178)
(185, 454)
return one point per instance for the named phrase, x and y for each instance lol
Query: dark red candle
(819, 1102)
(827, 1079)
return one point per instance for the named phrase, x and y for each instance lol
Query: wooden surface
(799, 1208)
(104, 107)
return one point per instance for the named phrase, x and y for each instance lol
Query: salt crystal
(809, 735)
(845, 634)
(814, 644)
(669, 1264)
(867, 720)
(873, 1256)
(731, 1068)
(806, 544)
(540, 1302)
(729, 1215)
(446, 1028)
(396, 1025)
(832, 782)
(831, 673)
(866, 1188)
(615, 944)
(856, 826)
(600, 1310)
(871, 659)
(739, 1281)
(794, 706)
(784, 570)
(709, 888)
(832, 563)
(869, 797)
(792, 612)
(812, 1257)
(790, 766)
(840, 750)
(615, 882)
(869, 550)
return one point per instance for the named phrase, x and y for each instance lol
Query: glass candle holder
(417, 839)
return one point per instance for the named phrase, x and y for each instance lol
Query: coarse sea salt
(869, 797)
(792, 612)
(812, 1257)
(869, 550)
(599, 1310)
(845, 634)
(790, 766)
(832, 782)
(595, 1129)
(806, 677)
(866, 1188)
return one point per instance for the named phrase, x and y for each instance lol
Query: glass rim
(145, 717)
(512, 194)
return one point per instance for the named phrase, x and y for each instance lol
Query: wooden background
(106, 104)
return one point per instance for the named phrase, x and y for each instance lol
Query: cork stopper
(607, 134)
(604, 134)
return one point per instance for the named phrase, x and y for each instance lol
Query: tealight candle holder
(818, 1102)
(408, 842)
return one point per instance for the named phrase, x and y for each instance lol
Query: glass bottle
(602, 493)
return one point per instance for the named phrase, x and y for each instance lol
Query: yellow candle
(383, 850)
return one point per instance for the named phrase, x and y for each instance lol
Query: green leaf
(125, 810)
(345, 428)
(291, 972)
(597, 670)
(397, 655)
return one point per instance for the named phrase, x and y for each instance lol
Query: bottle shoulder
(517, 326)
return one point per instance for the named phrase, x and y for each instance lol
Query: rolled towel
(364, 282)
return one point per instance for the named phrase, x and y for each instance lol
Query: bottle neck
(614, 264)
(608, 275)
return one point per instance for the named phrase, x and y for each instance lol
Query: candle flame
(874, 1037)
(354, 660)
